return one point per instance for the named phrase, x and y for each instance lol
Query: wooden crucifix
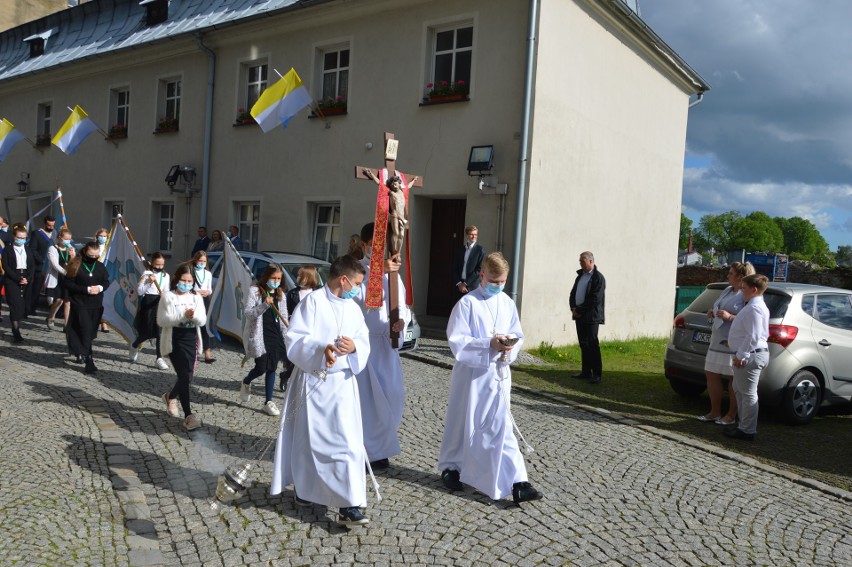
(389, 232)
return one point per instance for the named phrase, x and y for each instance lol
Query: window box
(117, 132)
(244, 118)
(43, 140)
(167, 124)
(330, 111)
(441, 99)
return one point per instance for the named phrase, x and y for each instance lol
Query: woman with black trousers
(204, 287)
(18, 264)
(85, 280)
(180, 315)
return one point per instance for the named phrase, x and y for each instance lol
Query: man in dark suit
(203, 240)
(40, 242)
(5, 240)
(18, 267)
(587, 310)
(467, 262)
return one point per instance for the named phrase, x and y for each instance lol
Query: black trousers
(587, 334)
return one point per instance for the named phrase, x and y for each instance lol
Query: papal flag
(124, 268)
(227, 303)
(74, 131)
(9, 136)
(280, 102)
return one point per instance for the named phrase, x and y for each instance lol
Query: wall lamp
(183, 173)
(24, 183)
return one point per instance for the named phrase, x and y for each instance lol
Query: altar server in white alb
(479, 446)
(381, 386)
(320, 448)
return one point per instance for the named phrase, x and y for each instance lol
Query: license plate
(699, 337)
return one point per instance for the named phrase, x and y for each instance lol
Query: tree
(844, 255)
(685, 227)
(757, 232)
(802, 238)
(718, 231)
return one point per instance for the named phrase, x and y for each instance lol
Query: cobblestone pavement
(94, 472)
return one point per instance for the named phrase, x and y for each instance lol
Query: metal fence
(684, 295)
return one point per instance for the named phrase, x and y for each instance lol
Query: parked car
(257, 262)
(810, 348)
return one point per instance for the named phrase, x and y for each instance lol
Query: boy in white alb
(320, 448)
(479, 445)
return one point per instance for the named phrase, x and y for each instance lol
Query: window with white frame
(326, 233)
(335, 74)
(45, 110)
(452, 56)
(248, 215)
(165, 226)
(111, 211)
(120, 111)
(170, 95)
(256, 80)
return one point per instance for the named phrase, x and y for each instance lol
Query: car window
(777, 304)
(258, 267)
(808, 302)
(834, 310)
(214, 264)
(704, 302)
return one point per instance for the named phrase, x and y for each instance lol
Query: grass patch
(635, 386)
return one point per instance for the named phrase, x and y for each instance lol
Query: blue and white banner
(228, 300)
(125, 267)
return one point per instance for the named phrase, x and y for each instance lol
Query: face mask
(4, 228)
(273, 285)
(157, 270)
(200, 266)
(66, 243)
(368, 253)
(351, 294)
(493, 289)
(89, 261)
(228, 234)
(20, 241)
(184, 287)
(102, 240)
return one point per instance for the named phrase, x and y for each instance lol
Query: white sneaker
(162, 364)
(245, 391)
(271, 409)
(133, 352)
(191, 422)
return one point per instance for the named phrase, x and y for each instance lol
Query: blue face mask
(228, 234)
(273, 285)
(20, 241)
(4, 228)
(66, 243)
(102, 239)
(493, 289)
(200, 266)
(352, 293)
(184, 287)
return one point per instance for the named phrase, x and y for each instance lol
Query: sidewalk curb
(676, 437)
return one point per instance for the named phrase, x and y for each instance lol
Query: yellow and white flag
(9, 136)
(281, 101)
(74, 131)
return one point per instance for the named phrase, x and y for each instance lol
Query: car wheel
(687, 389)
(802, 399)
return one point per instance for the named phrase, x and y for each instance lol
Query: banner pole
(138, 250)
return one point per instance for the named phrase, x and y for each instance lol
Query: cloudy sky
(774, 133)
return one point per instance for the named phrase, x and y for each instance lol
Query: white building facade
(604, 138)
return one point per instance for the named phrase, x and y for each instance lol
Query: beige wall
(606, 172)
(16, 12)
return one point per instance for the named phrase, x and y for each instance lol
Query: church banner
(229, 297)
(125, 268)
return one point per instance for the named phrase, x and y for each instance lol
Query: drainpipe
(208, 129)
(698, 100)
(523, 158)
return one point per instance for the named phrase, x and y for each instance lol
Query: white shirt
(147, 287)
(750, 328)
(21, 255)
(203, 280)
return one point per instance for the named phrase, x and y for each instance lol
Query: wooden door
(447, 235)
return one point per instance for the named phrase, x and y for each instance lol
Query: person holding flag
(150, 288)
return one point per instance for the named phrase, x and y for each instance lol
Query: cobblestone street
(95, 473)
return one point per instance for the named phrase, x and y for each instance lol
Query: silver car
(810, 348)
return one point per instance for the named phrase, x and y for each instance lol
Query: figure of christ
(397, 221)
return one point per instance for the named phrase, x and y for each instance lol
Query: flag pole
(253, 279)
(61, 206)
(138, 250)
(101, 130)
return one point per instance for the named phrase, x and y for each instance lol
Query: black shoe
(595, 380)
(352, 516)
(78, 359)
(282, 382)
(303, 503)
(380, 464)
(739, 434)
(451, 480)
(17, 338)
(524, 492)
(581, 376)
(90, 366)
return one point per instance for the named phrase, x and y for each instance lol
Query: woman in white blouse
(58, 256)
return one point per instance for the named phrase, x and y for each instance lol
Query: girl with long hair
(150, 285)
(204, 287)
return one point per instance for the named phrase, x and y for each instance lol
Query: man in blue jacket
(587, 311)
